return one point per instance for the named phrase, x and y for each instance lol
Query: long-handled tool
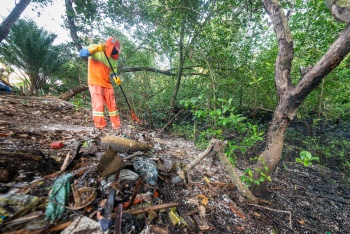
(133, 115)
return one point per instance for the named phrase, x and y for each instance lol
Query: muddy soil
(300, 199)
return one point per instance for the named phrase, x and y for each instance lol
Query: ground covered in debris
(142, 189)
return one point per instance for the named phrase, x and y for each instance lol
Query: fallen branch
(136, 154)
(218, 146)
(233, 173)
(168, 123)
(281, 211)
(200, 157)
(155, 207)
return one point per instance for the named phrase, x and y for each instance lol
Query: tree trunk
(72, 29)
(12, 18)
(181, 64)
(290, 97)
(320, 101)
(72, 92)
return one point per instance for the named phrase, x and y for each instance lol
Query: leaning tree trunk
(291, 97)
(72, 92)
(12, 18)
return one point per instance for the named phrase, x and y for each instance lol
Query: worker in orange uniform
(99, 75)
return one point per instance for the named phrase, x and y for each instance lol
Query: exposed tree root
(217, 147)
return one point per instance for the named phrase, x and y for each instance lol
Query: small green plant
(346, 166)
(78, 103)
(306, 158)
(248, 179)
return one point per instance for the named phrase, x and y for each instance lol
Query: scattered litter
(110, 163)
(83, 224)
(14, 205)
(126, 174)
(58, 197)
(147, 168)
(120, 144)
(148, 213)
(82, 197)
(56, 144)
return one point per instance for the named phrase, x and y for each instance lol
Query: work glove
(116, 79)
(96, 48)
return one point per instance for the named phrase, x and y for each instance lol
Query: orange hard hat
(110, 44)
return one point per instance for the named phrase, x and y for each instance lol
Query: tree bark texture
(12, 18)
(290, 97)
(72, 92)
(181, 63)
(72, 28)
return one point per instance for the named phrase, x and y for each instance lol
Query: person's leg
(112, 107)
(96, 93)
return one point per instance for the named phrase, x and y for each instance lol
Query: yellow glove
(96, 48)
(117, 80)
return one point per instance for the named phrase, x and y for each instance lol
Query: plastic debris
(175, 179)
(175, 219)
(14, 205)
(147, 168)
(126, 174)
(56, 144)
(105, 224)
(58, 197)
(83, 224)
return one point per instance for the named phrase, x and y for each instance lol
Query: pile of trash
(115, 185)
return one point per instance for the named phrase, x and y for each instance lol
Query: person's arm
(84, 53)
(91, 50)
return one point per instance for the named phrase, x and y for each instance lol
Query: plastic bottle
(174, 218)
(56, 144)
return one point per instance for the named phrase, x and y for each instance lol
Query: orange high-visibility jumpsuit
(100, 87)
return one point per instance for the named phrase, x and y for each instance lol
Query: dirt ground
(300, 199)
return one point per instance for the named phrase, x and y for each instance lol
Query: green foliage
(248, 179)
(223, 122)
(79, 103)
(306, 158)
(29, 48)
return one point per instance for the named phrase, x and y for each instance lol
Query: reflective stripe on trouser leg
(112, 107)
(97, 104)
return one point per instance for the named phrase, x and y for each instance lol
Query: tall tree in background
(30, 49)
(12, 18)
(14, 15)
(168, 28)
(292, 96)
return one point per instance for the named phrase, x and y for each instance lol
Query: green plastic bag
(58, 197)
